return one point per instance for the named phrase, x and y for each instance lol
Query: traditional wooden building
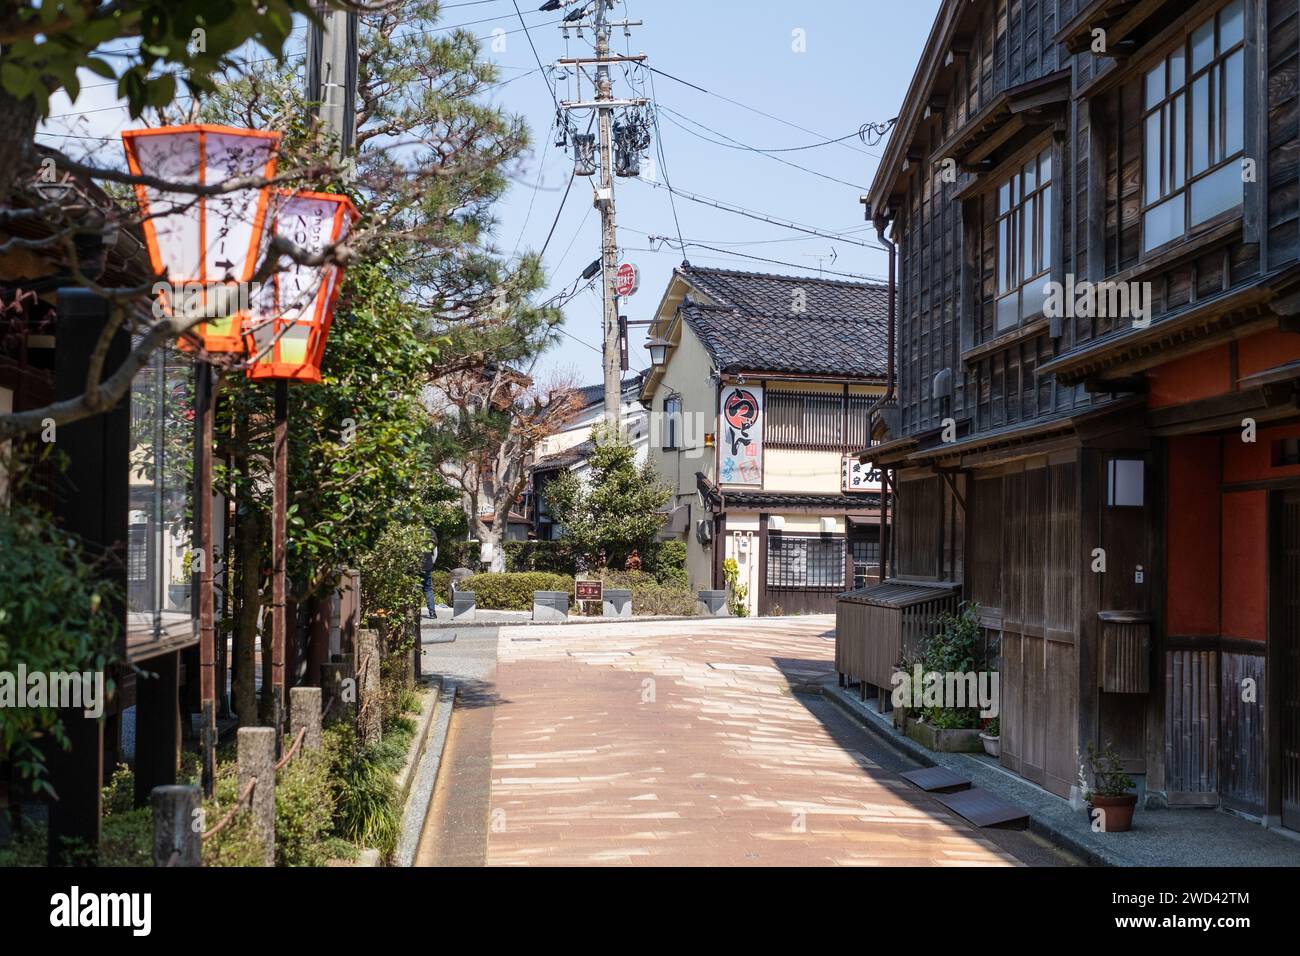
(1094, 429)
(754, 416)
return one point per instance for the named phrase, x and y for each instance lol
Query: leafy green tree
(56, 615)
(424, 297)
(615, 508)
(146, 46)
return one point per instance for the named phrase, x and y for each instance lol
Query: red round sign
(626, 279)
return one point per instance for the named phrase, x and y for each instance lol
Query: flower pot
(992, 745)
(1116, 812)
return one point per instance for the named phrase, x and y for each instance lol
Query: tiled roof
(595, 394)
(772, 323)
(774, 499)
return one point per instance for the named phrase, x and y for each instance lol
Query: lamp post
(205, 249)
(286, 342)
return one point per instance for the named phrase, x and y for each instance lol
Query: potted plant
(991, 737)
(1110, 791)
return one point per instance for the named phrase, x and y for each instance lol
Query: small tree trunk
(492, 537)
(15, 139)
(249, 605)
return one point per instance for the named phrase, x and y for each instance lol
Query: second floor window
(672, 421)
(1024, 231)
(1193, 102)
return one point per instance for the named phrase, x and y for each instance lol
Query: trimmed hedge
(650, 596)
(514, 591)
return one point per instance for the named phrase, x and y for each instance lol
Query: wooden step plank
(936, 780)
(984, 808)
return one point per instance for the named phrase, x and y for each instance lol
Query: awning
(900, 593)
(677, 520)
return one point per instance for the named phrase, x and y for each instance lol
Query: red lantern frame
(271, 343)
(217, 335)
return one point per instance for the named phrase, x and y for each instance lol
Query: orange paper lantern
(206, 248)
(286, 338)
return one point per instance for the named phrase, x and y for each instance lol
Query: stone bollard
(256, 760)
(550, 607)
(174, 830)
(370, 715)
(617, 603)
(305, 712)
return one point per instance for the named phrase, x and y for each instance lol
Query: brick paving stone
(682, 743)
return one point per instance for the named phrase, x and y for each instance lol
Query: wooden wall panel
(1192, 726)
(1241, 746)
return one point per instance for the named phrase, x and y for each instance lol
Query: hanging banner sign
(740, 451)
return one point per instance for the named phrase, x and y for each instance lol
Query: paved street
(675, 743)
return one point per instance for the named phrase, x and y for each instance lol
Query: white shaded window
(672, 421)
(1193, 135)
(1125, 481)
(1024, 241)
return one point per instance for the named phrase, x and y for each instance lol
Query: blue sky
(858, 59)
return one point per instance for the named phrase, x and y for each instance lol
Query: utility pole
(605, 104)
(611, 346)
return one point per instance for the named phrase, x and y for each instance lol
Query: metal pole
(610, 345)
(279, 510)
(204, 407)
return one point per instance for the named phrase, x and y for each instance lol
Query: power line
(752, 109)
(663, 161)
(761, 217)
(737, 144)
(778, 262)
(550, 89)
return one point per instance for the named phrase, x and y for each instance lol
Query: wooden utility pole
(604, 104)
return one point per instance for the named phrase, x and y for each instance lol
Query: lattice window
(816, 421)
(805, 562)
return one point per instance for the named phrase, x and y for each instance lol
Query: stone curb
(428, 706)
(843, 698)
(425, 778)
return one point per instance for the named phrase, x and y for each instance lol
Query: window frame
(776, 577)
(670, 423)
(1214, 69)
(1042, 198)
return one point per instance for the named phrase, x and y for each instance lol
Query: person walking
(426, 570)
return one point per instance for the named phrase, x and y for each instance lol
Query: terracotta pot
(1117, 812)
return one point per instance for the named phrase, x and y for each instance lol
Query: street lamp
(287, 340)
(658, 350)
(206, 247)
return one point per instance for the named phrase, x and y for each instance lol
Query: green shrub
(304, 811)
(367, 804)
(651, 597)
(236, 844)
(666, 560)
(514, 592)
(56, 614)
(555, 557)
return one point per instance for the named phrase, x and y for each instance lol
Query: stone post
(256, 760)
(370, 715)
(174, 825)
(305, 712)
